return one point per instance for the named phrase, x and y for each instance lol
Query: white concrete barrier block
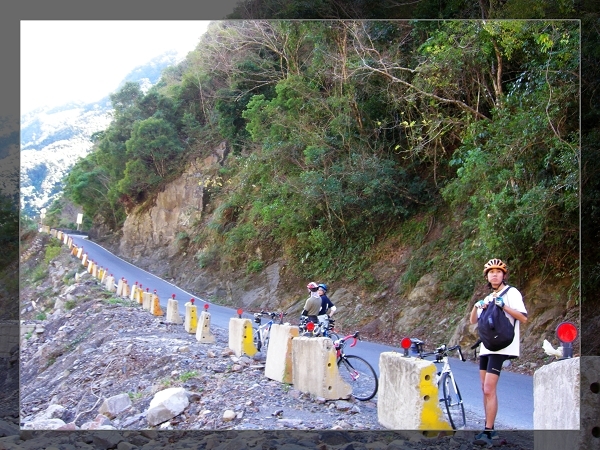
(314, 368)
(120, 288)
(278, 365)
(110, 283)
(556, 396)
(408, 397)
(203, 333)
(173, 315)
(146, 300)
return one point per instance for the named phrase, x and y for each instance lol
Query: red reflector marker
(405, 343)
(566, 332)
(310, 326)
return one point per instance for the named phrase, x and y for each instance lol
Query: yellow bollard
(241, 338)
(155, 305)
(133, 293)
(140, 294)
(191, 317)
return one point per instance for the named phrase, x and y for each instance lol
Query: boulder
(167, 404)
(114, 405)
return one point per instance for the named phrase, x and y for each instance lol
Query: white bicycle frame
(263, 331)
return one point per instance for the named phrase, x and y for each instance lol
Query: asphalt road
(515, 391)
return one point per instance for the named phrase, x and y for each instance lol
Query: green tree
(155, 143)
(88, 184)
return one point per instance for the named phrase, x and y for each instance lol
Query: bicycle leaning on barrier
(447, 387)
(325, 328)
(262, 332)
(356, 371)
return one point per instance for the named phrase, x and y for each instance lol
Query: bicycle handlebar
(474, 346)
(355, 337)
(442, 351)
(272, 314)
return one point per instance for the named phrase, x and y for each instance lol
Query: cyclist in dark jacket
(327, 307)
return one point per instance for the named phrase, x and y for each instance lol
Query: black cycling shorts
(492, 363)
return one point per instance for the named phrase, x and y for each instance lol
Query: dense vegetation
(344, 133)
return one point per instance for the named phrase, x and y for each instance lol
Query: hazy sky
(64, 61)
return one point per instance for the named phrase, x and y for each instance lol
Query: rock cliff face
(154, 235)
(160, 239)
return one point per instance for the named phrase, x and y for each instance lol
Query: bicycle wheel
(257, 342)
(455, 409)
(333, 336)
(359, 374)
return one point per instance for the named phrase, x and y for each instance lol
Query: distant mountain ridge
(54, 138)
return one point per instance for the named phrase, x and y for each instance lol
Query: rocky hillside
(160, 237)
(86, 353)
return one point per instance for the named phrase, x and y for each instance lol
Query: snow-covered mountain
(54, 138)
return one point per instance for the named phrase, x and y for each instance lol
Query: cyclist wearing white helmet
(313, 303)
(490, 362)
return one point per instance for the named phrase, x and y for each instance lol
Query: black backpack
(495, 330)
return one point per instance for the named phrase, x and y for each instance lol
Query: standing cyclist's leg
(489, 383)
(490, 399)
(483, 363)
(494, 367)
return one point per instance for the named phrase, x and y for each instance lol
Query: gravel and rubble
(95, 365)
(98, 350)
